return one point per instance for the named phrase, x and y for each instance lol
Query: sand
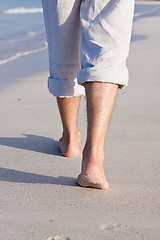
(39, 198)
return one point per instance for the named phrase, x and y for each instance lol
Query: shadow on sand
(10, 175)
(37, 144)
(33, 143)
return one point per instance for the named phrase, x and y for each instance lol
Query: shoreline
(38, 62)
(23, 66)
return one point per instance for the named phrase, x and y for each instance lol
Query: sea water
(21, 29)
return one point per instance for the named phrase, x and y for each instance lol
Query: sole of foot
(92, 181)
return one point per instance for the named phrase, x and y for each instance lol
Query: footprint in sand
(59, 237)
(124, 231)
(108, 227)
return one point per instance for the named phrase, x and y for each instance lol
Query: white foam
(17, 55)
(22, 10)
(144, 14)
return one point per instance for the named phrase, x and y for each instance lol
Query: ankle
(70, 136)
(93, 151)
(93, 156)
(69, 145)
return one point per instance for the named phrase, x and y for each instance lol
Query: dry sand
(38, 195)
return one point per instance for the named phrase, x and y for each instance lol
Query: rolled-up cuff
(116, 75)
(65, 88)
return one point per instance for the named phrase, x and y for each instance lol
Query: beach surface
(39, 198)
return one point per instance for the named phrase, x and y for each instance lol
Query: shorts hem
(65, 88)
(109, 75)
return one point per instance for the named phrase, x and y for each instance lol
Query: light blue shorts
(88, 41)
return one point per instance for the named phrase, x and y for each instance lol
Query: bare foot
(92, 174)
(70, 148)
(85, 180)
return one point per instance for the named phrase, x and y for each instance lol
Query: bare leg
(69, 143)
(100, 102)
